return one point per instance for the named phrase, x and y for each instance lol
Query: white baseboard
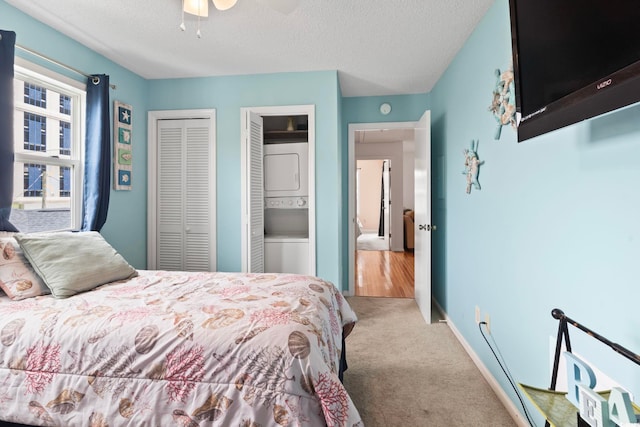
(493, 383)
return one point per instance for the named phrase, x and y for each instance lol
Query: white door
(386, 176)
(185, 196)
(423, 227)
(255, 195)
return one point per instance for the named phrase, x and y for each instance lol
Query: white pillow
(17, 278)
(70, 263)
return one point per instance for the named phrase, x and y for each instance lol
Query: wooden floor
(384, 274)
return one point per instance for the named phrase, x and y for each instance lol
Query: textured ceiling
(379, 47)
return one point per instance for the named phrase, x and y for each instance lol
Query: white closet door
(185, 195)
(256, 196)
(198, 193)
(170, 222)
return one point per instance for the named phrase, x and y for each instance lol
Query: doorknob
(422, 227)
(427, 227)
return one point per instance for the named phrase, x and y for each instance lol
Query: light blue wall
(227, 95)
(366, 109)
(555, 224)
(126, 223)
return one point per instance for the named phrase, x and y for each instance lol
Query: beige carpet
(403, 372)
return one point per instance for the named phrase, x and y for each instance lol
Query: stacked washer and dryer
(286, 202)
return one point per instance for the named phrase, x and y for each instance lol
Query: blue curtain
(7, 52)
(97, 165)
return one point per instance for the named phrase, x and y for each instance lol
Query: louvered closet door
(197, 212)
(170, 228)
(184, 195)
(256, 196)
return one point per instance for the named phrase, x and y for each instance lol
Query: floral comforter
(178, 349)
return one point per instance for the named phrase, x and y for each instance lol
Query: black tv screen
(573, 60)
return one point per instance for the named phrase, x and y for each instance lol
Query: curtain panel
(7, 52)
(97, 165)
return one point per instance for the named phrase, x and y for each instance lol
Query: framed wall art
(122, 146)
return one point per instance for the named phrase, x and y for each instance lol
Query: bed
(163, 348)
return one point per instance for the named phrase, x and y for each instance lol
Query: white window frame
(33, 73)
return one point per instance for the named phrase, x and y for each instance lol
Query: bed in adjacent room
(164, 348)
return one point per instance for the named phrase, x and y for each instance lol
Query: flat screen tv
(573, 60)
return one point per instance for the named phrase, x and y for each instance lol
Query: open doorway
(381, 194)
(372, 204)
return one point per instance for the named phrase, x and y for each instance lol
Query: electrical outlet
(477, 315)
(487, 320)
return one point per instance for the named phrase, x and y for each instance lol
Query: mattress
(178, 348)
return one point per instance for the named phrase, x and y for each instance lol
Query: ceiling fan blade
(282, 6)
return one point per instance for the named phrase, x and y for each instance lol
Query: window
(65, 138)
(65, 104)
(49, 155)
(35, 95)
(33, 175)
(65, 181)
(35, 132)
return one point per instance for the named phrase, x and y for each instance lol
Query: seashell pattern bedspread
(178, 349)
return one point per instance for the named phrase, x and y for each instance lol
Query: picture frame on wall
(122, 146)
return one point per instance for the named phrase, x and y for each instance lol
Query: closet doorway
(263, 242)
(181, 196)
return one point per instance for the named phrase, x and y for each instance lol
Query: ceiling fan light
(224, 4)
(197, 7)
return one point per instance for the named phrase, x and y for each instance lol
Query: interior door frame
(351, 196)
(152, 176)
(287, 110)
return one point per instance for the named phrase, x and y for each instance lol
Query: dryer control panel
(286, 203)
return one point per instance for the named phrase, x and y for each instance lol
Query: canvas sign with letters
(122, 146)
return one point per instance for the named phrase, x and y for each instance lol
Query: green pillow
(70, 263)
